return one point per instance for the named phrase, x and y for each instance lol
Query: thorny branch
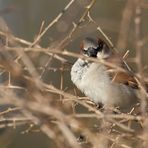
(37, 102)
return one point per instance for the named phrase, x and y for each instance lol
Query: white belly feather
(94, 82)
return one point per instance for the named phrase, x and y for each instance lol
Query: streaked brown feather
(123, 77)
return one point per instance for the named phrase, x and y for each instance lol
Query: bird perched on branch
(108, 81)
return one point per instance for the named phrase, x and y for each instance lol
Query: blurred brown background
(24, 17)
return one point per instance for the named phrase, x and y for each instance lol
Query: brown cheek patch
(81, 47)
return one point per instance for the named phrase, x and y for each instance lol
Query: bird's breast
(93, 80)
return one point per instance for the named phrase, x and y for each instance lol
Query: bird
(102, 83)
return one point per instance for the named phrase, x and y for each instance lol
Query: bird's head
(96, 48)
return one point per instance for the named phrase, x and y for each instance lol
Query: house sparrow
(101, 83)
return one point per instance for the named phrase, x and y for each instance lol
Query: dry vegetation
(28, 100)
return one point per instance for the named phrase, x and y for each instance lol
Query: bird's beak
(90, 52)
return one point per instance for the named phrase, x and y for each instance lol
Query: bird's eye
(100, 46)
(84, 51)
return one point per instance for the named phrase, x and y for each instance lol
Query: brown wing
(124, 77)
